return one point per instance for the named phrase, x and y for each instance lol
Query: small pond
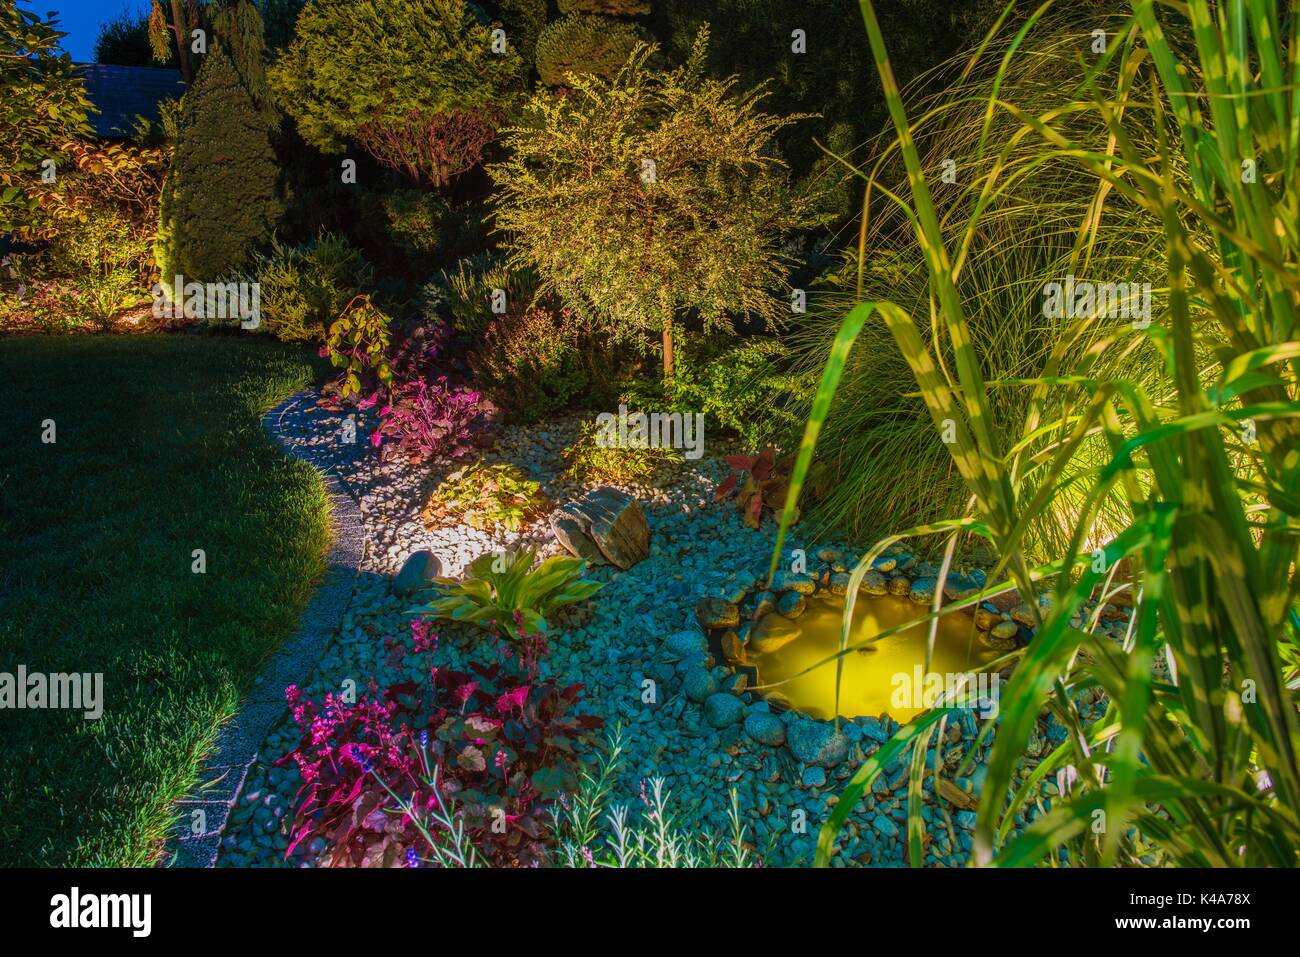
(870, 674)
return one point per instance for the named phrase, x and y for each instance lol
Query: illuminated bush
(582, 44)
(416, 84)
(221, 198)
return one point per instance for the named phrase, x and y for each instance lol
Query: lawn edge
(236, 749)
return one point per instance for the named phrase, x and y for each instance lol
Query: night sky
(81, 20)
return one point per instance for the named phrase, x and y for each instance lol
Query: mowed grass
(159, 451)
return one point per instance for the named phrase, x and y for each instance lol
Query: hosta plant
(486, 497)
(505, 593)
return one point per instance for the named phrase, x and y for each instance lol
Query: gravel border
(238, 741)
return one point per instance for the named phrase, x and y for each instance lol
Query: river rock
(699, 684)
(830, 556)
(923, 590)
(817, 742)
(792, 604)
(765, 728)
(873, 583)
(722, 710)
(764, 603)
(417, 571)
(985, 620)
(900, 585)
(839, 584)
(716, 613)
(684, 644)
(957, 587)
(794, 581)
(1005, 630)
(606, 520)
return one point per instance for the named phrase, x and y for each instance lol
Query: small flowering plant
(459, 770)
(427, 420)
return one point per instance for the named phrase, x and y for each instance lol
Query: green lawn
(158, 452)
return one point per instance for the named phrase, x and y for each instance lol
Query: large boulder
(604, 526)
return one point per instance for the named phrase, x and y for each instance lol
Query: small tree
(416, 84)
(221, 198)
(650, 194)
(42, 105)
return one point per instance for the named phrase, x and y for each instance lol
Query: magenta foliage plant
(428, 419)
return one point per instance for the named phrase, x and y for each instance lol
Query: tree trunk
(668, 350)
(182, 48)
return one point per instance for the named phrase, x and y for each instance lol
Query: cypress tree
(221, 197)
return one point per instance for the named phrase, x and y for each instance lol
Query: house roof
(121, 93)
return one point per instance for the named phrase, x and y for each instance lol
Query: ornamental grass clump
(1194, 497)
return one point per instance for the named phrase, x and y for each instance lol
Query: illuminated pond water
(869, 679)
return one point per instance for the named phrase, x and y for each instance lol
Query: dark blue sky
(81, 20)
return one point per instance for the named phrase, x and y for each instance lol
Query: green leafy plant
(418, 86)
(42, 105)
(580, 44)
(588, 832)
(1200, 770)
(587, 461)
(358, 342)
(740, 386)
(468, 290)
(530, 362)
(486, 497)
(304, 288)
(648, 194)
(505, 593)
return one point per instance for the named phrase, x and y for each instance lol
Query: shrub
(417, 85)
(833, 78)
(304, 288)
(524, 21)
(428, 420)
(358, 342)
(738, 386)
(438, 770)
(486, 497)
(608, 8)
(591, 463)
(416, 228)
(630, 241)
(580, 44)
(757, 483)
(221, 197)
(469, 289)
(530, 364)
(505, 594)
(42, 106)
